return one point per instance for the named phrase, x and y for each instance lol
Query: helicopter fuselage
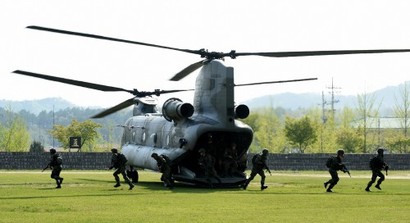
(178, 135)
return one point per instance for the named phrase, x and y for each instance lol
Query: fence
(99, 161)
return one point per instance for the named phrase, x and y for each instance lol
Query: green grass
(88, 196)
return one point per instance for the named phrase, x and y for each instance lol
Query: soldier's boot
(131, 186)
(58, 183)
(329, 189)
(378, 186)
(367, 189)
(264, 187)
(117, 180)
(61, 180)
(325, 184)
(245, 185)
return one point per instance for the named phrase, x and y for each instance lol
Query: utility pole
(333, 101)
(53, 125)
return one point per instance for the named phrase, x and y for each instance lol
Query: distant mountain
(36, 106)
(387, 98)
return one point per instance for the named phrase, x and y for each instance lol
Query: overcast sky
(244, 26)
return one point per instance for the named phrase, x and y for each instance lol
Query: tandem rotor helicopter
(181, 129)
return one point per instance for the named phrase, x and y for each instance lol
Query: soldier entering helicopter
(207, 163)
(164, 166)
(230, 159)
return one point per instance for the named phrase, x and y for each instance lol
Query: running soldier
(334, 164)
(259, 165)
(118, 162)
(55, 165)
(377, 164)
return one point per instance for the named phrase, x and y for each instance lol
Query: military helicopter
(181, 129)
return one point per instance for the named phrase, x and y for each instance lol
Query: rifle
(267, 169)
(345, 170)
(386, 168)
(48, 166)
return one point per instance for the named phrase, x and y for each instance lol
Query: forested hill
(40, 117)
(37, 106)
(387, 98)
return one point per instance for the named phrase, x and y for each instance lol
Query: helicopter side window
(154, 138)
(143, 137)
(167, 140)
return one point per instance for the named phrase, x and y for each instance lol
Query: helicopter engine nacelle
(241, 111)
(174, 109)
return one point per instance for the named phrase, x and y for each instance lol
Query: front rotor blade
(321, 53)
(109, 38)
(276, 82)
(72, 82)
(191, 68)
(116, 108)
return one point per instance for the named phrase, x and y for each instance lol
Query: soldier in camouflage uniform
(377, 164)
(335, 165)
(259, 165)
(118, 162)
(55, 165)
(164, 167)
(207, 163)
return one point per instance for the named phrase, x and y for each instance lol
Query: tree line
(25, 131)
(280, 130)
(317, 130)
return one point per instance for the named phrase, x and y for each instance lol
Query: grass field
(89, 196)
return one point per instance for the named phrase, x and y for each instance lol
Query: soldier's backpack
(372, 162)
(167, 159)
(255, 158)
(122, 160)
(329, 162)
(59, 160)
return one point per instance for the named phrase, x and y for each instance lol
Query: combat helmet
(154, 155)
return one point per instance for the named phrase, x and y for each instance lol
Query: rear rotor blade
(114, 109)
(276, 82)
(72, 82)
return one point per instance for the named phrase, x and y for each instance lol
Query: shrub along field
(89, 196)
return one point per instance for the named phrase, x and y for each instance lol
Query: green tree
(36, 147)
(402, 111)
(269, 132)
(398, 144)
(87, 130)
(14, 136)
(300, 132)
(366, 109)
(348, 139)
